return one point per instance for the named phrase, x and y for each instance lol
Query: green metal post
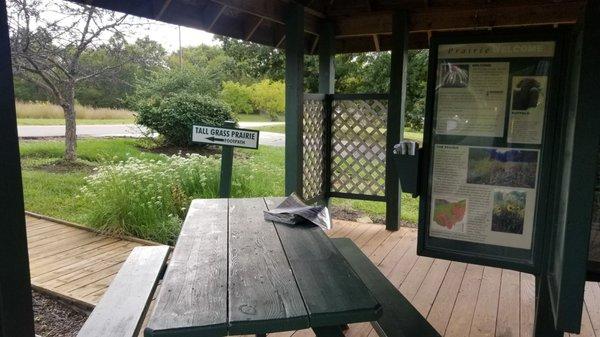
(16, 313)
(544, 318)
(395, 120)
(327, 87)
(294, 69)
(226, 167)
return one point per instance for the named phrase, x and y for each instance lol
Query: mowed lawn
(52, 188)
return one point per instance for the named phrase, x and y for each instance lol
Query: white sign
(225, 136)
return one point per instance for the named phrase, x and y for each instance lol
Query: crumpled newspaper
(293, 211)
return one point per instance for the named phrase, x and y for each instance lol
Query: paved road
(132, 130)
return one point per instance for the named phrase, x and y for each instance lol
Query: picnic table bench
(233, 273)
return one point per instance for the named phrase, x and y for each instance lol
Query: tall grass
(45, 110)
(148, 198)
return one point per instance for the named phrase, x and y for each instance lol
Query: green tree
(238, 96)
(269, 97)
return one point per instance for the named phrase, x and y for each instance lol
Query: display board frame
(526, 260)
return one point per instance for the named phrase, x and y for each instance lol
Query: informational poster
(594, 255)
(484, 194)
(487, 142)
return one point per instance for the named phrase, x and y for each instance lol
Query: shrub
(238, 96)
(173, 117)
(148, 198)
(269, 97)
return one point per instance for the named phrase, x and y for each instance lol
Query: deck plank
(508, 321)
(442, 307)
(462, 315)
(486, 309)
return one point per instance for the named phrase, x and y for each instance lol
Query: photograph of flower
(502, 167)
(450, 214)
(509, 211)
(454, 75)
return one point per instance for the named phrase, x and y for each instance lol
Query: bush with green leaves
(173, 117)
(148, 198)
(269, 97)
(238, 96)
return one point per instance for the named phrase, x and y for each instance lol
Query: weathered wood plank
(332, 291)
(508, 321)
(592, 300)
(122, 308)
(486, 309)
(194, 290)
(462, 315)
(527, 308)
(425, 296)
(399, 317)
(442, 307)
(263, 295)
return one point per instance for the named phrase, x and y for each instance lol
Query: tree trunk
(70, 127)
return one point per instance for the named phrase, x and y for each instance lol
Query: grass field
(43, 113)
(55, 189)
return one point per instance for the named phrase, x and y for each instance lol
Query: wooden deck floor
(73, 262)
(460, 300)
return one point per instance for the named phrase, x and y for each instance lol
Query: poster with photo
(527, 109)
(484, 194)
(471, 98)
(489, 108)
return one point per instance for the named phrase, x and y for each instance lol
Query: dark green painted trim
(568, 271)
(363, 96)
(328, 105)
(543, 325)
(294, 70)
(395, 120)
(327, 58)
(226, 166)
(16, 313)
(327, 88)
(356, 196)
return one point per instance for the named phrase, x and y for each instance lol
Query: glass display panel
(487, 141)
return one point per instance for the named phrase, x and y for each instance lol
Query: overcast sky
(168, 35)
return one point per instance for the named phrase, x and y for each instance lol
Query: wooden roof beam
(438, 19)
(272, 11)
(163, 9)
(253, 29)
(216, 18)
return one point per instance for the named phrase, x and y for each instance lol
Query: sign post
(229, 137)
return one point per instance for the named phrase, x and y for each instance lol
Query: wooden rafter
(253, 29)
(376, 42)
(216, 18)
(163, 9)
(431, 19)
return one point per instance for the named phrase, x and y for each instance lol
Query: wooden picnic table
(233, 273)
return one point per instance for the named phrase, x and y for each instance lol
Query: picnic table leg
(329, 331)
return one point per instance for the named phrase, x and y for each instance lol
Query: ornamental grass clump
(148, 198)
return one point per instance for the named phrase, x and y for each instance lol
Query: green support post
(294, 70)
(327, 87)
(16, 313)
(544, 318)
(226, 166)
(395, 120)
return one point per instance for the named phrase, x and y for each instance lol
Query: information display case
(488, 148)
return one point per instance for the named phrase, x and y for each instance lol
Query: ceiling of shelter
(360, 25)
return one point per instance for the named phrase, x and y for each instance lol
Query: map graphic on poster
(594, 254)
